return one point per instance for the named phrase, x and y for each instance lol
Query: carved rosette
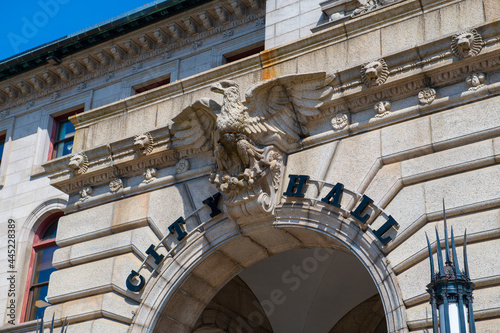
(340, 121)
(427, 96)
(109, 76)
(4, 114)
(245, 200)
(81, 86)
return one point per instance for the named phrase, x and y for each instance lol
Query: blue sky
(25, 24)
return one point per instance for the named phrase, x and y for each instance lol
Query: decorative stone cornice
(405, 78)
(101, 165)
(99, 170)
(174, 33)
(37, 83)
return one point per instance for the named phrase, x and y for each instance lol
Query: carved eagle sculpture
(274, 112)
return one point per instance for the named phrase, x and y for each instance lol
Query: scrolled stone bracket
(248, 203)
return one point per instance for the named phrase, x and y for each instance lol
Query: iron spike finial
(431, 260)
(466, 264)
(454, 252)
(439, 255)
(447, 246)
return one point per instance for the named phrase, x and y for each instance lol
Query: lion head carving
(374, 73)
(143, 144)
(79, 163)
(466, 44)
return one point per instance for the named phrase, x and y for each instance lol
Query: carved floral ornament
(340, 121)
(427, 96)
(85, 193)
(182, 166)
(149, 175)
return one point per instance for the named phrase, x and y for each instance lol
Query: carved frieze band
(126, 53)
(473, 73)
(142, 154)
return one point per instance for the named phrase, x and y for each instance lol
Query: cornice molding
(125, 52)
(437, 68)
(121, 160)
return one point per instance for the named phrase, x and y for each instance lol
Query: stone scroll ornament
(247, 137)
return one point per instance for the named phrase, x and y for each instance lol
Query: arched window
(44, 245)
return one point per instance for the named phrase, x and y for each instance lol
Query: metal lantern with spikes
(40, 328)
(450, 289)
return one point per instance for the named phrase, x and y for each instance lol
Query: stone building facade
(281, 177)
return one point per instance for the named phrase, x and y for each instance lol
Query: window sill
(29, 326)
(37, 170)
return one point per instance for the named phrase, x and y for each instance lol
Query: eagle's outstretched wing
(195, 125)
(284, 105)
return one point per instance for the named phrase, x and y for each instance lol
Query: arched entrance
(313, 290)
(176, 300)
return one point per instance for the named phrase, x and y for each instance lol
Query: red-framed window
(40, 269)
(152, 85)
(2, 145)
(233, 56)
(63, 134)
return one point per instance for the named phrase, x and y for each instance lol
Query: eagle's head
(228, 88)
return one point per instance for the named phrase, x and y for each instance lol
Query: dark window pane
(50, 232)
(66, 130)
(2, 144)
(43, 265)
(68, 148)
(64, 140)
(39, 293)
(64, 148)
(152, 86)
(243, 54)
(59, 149)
